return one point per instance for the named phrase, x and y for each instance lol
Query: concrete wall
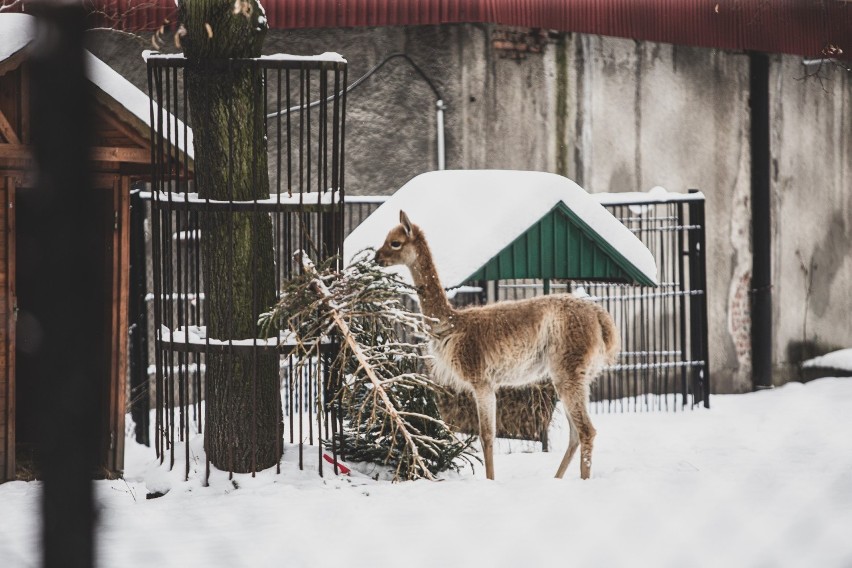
(618, 115)
(655, 114)
(812, 212)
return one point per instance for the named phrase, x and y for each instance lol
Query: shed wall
(7, 331)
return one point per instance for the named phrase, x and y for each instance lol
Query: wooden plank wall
(7, 329)
(120, 269)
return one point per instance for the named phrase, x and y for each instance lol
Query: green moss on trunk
(226, 109)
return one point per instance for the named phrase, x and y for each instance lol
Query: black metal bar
(761, 237)
(699, 344)
(138, 315)
(682, 310)
(67, 361)
(156, 94)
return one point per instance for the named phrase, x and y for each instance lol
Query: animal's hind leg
(580, 417)
(573, 396)
(486, 409)
(573, 442)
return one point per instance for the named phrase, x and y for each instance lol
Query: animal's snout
(379, 259)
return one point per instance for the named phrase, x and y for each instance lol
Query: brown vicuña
(515, 343)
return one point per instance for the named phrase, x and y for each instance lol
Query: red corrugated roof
(801, 27)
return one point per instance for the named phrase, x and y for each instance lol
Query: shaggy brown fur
(509, 343)
(523, 413)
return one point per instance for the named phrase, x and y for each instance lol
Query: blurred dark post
(68, 308)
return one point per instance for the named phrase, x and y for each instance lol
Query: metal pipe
(440, 116)
(761, 279)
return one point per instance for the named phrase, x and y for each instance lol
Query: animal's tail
(610, 337)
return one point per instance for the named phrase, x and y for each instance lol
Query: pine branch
(389, 403)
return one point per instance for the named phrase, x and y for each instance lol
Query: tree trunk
(226, 110)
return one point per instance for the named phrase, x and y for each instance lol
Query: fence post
(698, 348)
(139, 386)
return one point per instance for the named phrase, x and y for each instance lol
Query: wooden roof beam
(97, 153)
(7, 131)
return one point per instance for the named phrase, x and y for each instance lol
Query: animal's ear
(405, 222)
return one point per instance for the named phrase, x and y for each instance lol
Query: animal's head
(399, 244)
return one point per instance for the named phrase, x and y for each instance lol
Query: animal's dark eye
(396, 244)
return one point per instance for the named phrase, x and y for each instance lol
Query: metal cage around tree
(195, 246)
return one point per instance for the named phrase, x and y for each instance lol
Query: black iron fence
(208, 253)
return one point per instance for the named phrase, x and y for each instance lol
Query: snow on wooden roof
(469, 216)
(125, 93)
(17, 31)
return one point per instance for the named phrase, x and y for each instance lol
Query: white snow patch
(469, 216)
(327, 57)
(130, 97)
(656, 194)
(197, 335)
(311, 198)
(16, 32)
(840, 360)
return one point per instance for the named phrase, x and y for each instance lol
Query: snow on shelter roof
(469, 216)
(17, 31)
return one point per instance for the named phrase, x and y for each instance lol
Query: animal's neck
(433, 299)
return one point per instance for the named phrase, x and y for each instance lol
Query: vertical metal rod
(439, 106)
(681, 289)
(156, 248)
(170, 287)
(139, 384)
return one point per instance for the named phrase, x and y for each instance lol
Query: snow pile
(469, 216)
(761, 479)
(840, 360)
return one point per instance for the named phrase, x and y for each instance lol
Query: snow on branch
(388, 401)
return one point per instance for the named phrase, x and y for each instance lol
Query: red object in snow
(340, 467)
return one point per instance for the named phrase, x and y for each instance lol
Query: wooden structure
(121, 154)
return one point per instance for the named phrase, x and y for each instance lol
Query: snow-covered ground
(761, 479)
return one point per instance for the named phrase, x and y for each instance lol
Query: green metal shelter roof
(561, 245)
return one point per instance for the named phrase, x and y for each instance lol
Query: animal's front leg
(486, 409)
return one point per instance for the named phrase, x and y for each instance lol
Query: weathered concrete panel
(656, 114)
(812, 207)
